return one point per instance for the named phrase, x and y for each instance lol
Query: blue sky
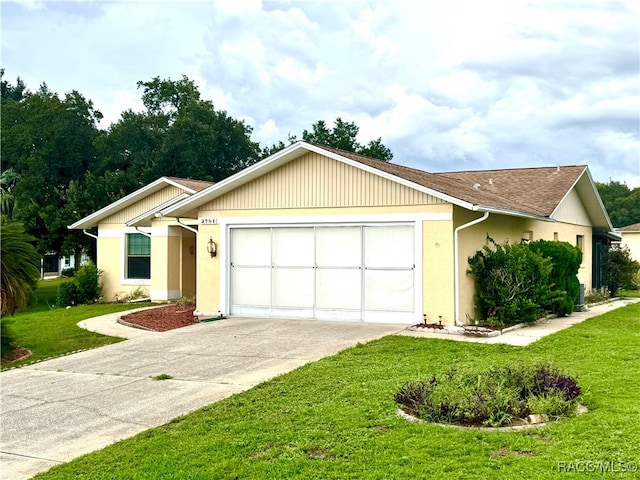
(448, 85)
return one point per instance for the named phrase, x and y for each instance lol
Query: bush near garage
(83, 288)
(566, 260)
(514, 284)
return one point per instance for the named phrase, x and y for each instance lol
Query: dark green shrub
(494, 397)
(566, 260)
(620, 270)
(513, 283)
(68, 272)
(87, 279)
(84, 287)
(67, 294)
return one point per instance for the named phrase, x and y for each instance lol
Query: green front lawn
(335, 418)
(51, 332)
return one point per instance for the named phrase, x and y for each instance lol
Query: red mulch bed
(17, 353)
(162, 319)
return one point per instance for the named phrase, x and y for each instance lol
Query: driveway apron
(54, 411)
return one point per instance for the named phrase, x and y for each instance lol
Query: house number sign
(208, 221)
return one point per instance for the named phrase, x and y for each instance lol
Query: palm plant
(20, 264)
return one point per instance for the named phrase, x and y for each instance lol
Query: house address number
(208, 221)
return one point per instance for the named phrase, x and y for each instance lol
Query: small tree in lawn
(620, 269)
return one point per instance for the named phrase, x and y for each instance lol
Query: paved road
(54, 411)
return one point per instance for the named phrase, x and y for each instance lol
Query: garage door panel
(389, 290)
(251, 286)
(388, 246)
(293, 247)
(338, 247)
(293, 287)
(338, 288)
(251, 246)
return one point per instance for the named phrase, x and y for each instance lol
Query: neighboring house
(125, 246)
(54, 264)
(631, 239)
(314, 232)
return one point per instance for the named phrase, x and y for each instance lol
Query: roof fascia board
(512, 213)
(135, 222)
(595, 192)
(91, 220)
(189, 190)
(592, 190)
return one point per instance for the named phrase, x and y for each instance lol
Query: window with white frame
(138, 256)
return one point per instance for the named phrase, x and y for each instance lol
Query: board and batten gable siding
(144, 205)
(571, 210)
(316, 181)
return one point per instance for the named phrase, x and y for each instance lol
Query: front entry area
(329, 272)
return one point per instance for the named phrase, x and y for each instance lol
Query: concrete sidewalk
(526, 335)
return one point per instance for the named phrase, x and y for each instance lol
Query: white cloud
(456, 84)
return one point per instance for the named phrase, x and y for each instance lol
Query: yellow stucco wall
(632, 241)
(209, 272)
(437, 271)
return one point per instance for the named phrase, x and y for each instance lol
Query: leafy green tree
(621, 202)
(179, 134)
(47, 141)
(20, 267)
(8, 181)
(10, 92)
(342, 136)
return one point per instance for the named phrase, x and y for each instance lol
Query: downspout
(456, 263)
(89, 234)
(191, 229)
(146, 234)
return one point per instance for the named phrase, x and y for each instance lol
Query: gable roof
(634, 227)
(525, 192)
(188, 186)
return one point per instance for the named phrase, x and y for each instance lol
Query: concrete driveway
(54, 411)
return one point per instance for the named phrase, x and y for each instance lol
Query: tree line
(59, 166)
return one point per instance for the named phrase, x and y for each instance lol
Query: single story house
(319, 233)
(631, 239)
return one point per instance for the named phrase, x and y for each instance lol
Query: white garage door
(355, 272)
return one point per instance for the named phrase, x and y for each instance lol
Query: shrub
(513, 283)
(620, 269)
(566, 260)
(84, 287)
(495, 397)
(68, 272)
(67, 294)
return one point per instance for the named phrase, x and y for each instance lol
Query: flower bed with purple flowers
(500, 396)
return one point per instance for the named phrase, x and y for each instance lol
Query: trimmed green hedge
(520, 282)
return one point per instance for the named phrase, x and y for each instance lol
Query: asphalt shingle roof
(536, 191)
